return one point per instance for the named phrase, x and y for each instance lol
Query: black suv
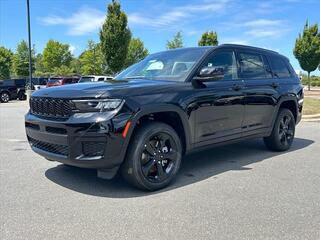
(169, 104)
(8, 90)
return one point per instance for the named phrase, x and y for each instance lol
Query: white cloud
(85, 21)
(177, 15)
(234, 41)
(72, 48)
(260, 33)
(263, 23)
(261, 28)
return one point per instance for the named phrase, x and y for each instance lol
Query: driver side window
(225, 60)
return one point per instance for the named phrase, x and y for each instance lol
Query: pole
(30, 58)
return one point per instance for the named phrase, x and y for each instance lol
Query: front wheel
(283, 131)
(153, 158)
(4, 97)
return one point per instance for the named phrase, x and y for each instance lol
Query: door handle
(274, 85)
(236, 87)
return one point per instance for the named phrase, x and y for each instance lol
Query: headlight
(97, 105)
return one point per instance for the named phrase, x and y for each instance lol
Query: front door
(219, 104)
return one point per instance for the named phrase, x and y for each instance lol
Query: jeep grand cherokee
(171, 103)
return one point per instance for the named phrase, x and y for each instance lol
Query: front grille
(93, 149)
(49, 147)
(59, 109)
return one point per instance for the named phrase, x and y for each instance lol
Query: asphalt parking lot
(240, 191)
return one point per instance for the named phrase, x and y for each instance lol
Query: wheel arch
(166, 113)
(289, 102)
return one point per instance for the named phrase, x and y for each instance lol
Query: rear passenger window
(252, 66)
(100, 79)
(279, 67)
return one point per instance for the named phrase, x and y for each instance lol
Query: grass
(311, 106)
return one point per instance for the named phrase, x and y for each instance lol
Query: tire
(22, 96)
(153, 157)
(283, 131)
(4, 97)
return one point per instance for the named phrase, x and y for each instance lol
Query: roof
(248, 47)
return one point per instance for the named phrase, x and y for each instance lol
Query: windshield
(86, 79)
(172, 65)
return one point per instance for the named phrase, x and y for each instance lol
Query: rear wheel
(153, 158)
(4, 97)
(283, 131)
(22, 96)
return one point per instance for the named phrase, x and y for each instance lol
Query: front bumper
(85, 140)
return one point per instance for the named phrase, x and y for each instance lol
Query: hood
(111, 88)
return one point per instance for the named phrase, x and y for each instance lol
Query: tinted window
(20, 82)
(68, 80)
(252, 66)
(279, 67)
(7, 83)
(226, 60)
(100, 79)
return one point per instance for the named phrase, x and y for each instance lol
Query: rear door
(260, 91)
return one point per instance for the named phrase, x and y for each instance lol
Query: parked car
(168, 105)
(58, 81)
(8, 90)
(20, 84)
(39, 83)
(94, 78)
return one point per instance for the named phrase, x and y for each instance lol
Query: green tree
(91, 60)
(136, 51)
(76, 66)
(307, 49)
(55, 55)
(63, 70)
(39, 67)
(115, 37)
(5, 62)
(176, 42)
(21, 60)
(208, 38)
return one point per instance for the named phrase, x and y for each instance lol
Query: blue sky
(269, 24)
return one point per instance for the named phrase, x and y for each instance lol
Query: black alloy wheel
(283, 131)
(159, 157)
(286, 130)
(153, 158)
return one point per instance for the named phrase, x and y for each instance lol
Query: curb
(311, 116)
(311, 120)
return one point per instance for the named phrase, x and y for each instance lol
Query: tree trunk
(309, 81)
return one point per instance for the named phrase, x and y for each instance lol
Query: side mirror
(207, 74)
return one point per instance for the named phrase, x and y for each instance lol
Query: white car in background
(94, 78)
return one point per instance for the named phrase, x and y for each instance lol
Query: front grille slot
(56, 130)
(49, 147)
(32, 125)
(58, 109)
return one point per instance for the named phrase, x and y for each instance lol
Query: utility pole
(29, 91)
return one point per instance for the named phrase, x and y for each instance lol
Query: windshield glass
(86, 79)
(172, 65)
